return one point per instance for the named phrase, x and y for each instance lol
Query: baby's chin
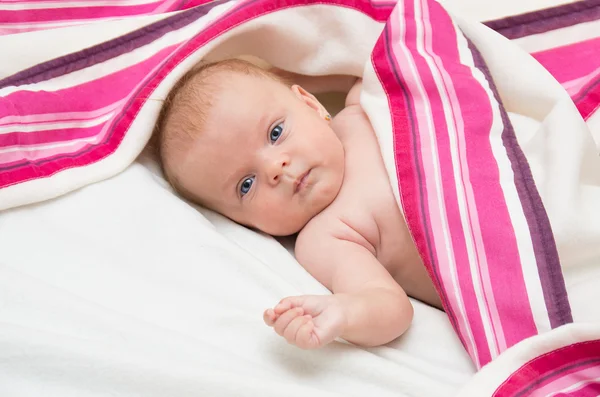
(284, 226)
(287, 225)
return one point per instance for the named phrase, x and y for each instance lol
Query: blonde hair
(185, 110)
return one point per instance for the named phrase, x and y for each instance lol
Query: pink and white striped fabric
(565, 40)
(454, 116)
(31, 15)
(565, 362)
(454, 188)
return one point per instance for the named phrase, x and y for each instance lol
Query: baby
(237, 139)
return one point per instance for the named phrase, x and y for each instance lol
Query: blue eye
(276, 132)
(246, 186)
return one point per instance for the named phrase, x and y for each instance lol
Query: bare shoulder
(326, 238)
(352, 121)
(353, 97)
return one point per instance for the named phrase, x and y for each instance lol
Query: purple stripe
(107, 50)
(545, 20)
(420, 183)
(107, 138)
(542, 238)
(589, 86)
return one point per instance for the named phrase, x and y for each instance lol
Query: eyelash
(242, 194)
(280, 127)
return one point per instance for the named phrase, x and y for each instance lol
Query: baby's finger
(282, 306)
(290, 302)
(292, 329)
(284, 320)
(306, 337)
(269, 317)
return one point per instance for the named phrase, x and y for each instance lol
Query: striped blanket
(491, 155)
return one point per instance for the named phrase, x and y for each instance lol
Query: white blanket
(131, 291)
(121, 288)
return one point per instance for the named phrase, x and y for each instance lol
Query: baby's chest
(366, 199)
(367, 207)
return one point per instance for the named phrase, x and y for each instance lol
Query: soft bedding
(130, 291)
(111, 284)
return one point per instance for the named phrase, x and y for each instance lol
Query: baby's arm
(377, 308)
(368, 307)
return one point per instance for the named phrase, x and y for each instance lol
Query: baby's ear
(309, 99)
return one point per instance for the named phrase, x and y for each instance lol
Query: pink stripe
(552, 365)
(7, 122)
(86, 97)
(481, 118)
(166, 6)
(471, 125)
(49, 2)
(572, 61)
(574, 87)
(408, 164)
(50, 24)
(484, 214)
(411, 80)
(61, 14)
(567, 380)
(7, 28)
(19, 157)
(589, 103)
(94, 90)
(46, 136)
(591, 389)
(442, 39)
(24, 139)
(234, 17)
(457, 251)
(504, 265)
(447, 45)
(444, 35)
(499, 260)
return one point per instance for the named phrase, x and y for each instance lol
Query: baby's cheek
(282, 217)
(326, 191)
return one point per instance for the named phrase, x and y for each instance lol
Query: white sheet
(131, 291)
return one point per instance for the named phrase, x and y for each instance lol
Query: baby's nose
(276, 169)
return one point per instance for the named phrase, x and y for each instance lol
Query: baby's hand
(309, 321)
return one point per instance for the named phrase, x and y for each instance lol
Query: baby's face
(267, 157)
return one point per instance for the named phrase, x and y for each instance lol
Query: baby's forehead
(213, 167)
(233, 121)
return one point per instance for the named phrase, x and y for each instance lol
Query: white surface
(123, 289)
(487, 381)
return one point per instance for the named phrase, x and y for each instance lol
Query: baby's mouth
(301, 181)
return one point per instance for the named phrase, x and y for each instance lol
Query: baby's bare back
(368, 211)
